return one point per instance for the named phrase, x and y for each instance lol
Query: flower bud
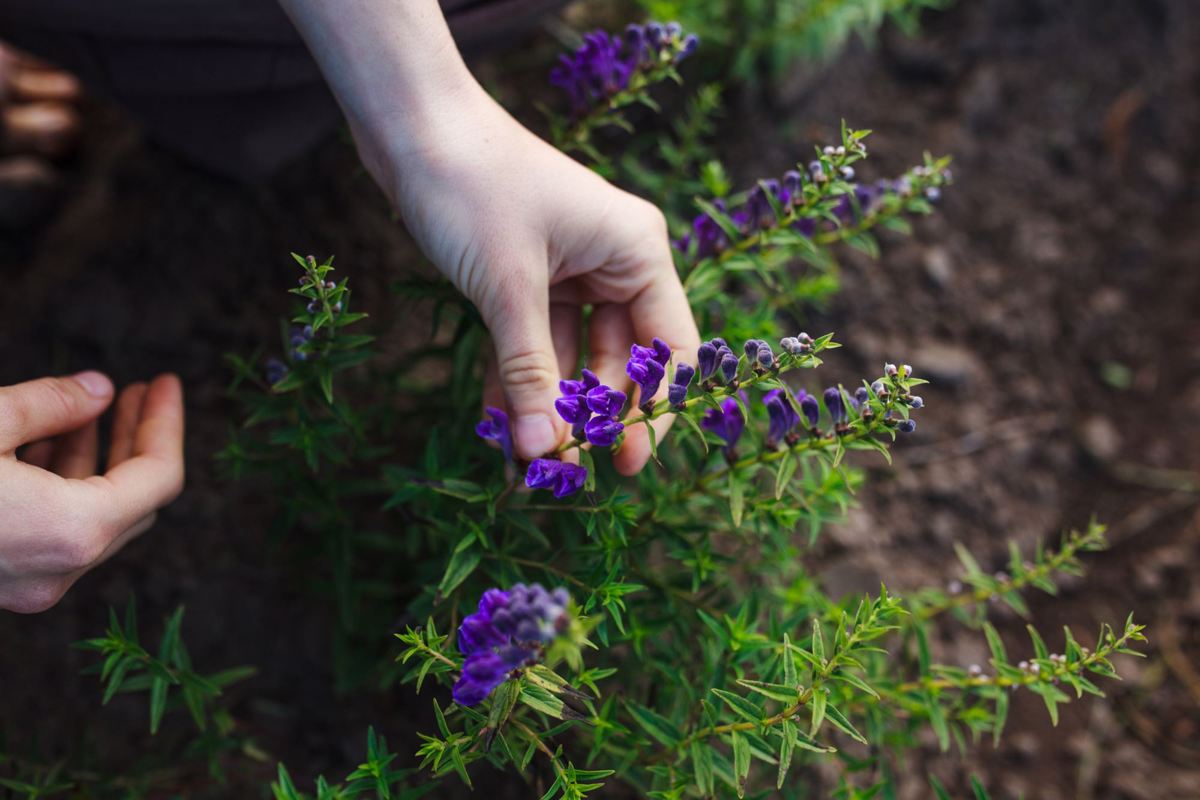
(683, 374)
(706, 358)
(793, 183)
(676, 394)
(809, 407)
(766, 359)
(890, 370)
(861, 394)
(835, 405)
(729, 367)
(751, 348)
(916, 402)
(907, 426)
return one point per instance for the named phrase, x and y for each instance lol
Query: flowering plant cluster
(690, 648)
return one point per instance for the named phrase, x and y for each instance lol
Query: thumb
(519, 320)
(49, 406)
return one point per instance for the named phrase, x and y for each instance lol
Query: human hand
(58, 516)
(531, 236)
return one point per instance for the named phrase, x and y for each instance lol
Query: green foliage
(759, 40)
(703, 657)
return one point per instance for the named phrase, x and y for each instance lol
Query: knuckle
(74, 549)
(35, 596)
(526, 369)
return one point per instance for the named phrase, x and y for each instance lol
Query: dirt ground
(1052, 301)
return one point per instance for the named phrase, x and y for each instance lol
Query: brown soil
(1052, 301)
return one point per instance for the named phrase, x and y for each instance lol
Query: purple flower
(793, 183)
(658, 351)
(766, 359)
(706, 358)
(782, 415)
(605, 401)
(835, 405)
(677, 391)
(276, 371)
(604, 63)
(809, 407)
(602, 431)
(647, 367)
(573, 408)
(861, 395)
(907, 426)
(729, 366)
(726, 423)
(506, 633)
(497, 430)
(565, 479)
(589, 381)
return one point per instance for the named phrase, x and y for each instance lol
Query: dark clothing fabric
(226, 83)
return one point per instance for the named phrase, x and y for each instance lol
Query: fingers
(661, 309)
(37, 454)
(125, 420)
(610, 334)
(75, 452)
(46, 407)
(565, 321)
(152, 475)
(518, 316)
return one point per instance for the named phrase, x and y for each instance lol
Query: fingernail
(535, 435)
(94, 383)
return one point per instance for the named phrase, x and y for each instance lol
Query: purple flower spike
(497, 430)
(602, 431)
(507, 633)
(809, 407)
(835, 404)
(783, 416)
(565, 479)
(727, 423)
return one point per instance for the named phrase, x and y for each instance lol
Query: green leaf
(938, 788)
(541, 700)
(839, 719)
(786, 746)
(462, 563)
(1039, 647)
(741, 762)
(818, 641)
(736, 500)
(776, 691)
(740, 705)
(995, 644)
(702, 767)
(654, 724)
(818, 704)
(727, 225)
(783, 475)
(977, 787)
(789, 662)
(158, 703)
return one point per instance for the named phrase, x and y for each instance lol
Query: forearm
(393, 66)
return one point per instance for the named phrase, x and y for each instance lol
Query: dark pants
(225, 83)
